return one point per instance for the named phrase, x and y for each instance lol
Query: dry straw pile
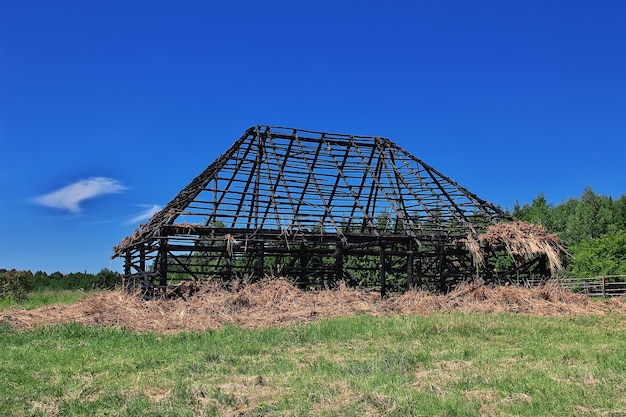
(523, 241)
(276, 302)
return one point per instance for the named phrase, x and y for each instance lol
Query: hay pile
(277, 302)
(522, 240)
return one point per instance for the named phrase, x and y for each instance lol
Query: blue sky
(109, 108)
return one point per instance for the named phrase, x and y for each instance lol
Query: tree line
(17, 284)
(592, 227)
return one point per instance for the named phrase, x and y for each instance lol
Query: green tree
(605, 255)
(562, 215)
(538, 212)
(580, 222)
(619, 213)
(42, 281)
(107, 279)
(592, 216)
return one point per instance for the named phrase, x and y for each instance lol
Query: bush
(605, 255)
(16, 284)
(107, 279)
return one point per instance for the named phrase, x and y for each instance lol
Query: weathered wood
(323, 206)
(382, 271)
(163, 267)
(409, 266)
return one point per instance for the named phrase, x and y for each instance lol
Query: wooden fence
(601, 286)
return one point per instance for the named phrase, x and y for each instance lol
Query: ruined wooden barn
(318, 208)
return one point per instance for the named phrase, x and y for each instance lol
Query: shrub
(16, 284)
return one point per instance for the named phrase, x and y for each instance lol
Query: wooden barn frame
(318, 208)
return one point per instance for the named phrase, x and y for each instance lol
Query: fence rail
(601, 286)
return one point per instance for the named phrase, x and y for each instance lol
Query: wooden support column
(543, 267)
(127, 262)
(304, 262)
(260, 256)
(442, 266)
(163, 263)
(142, 263)
(409, 265)
(127, 271)
(381, 269)
(229, 257)
(339, 261)
(142, 258)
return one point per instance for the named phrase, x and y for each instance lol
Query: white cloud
(144, 215)
(71, 196)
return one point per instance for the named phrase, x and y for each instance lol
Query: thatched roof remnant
(524, 241)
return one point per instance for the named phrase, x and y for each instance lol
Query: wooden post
(260, 256)
(163, 263)
(142, 262)
(127, 263)
(442, 266)
(229, 256)
(381, 265)
(409, 265)
(142, 258)
(417, 272)
(603, 286)
(304, 262)
(339, 261)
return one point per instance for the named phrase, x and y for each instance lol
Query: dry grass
(276, 302)
(523, 241)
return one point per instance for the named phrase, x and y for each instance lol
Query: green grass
(42, 298)
(446, 364)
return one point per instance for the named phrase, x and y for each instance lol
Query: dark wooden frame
(316, 207)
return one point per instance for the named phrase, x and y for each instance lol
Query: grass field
(441, 364)
(43, 298)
